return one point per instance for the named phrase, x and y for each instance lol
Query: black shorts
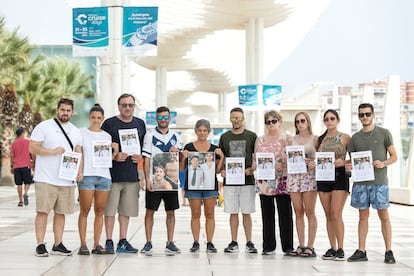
(153, 200)
(341, 182)
(23, 175)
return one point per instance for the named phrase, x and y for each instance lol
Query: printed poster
(265, 166)
(248, 95)
(362, 168)
(140, 31)
(164, 171)
(102, 154)
(235, 167)
(296, 159)
(272, 96)
(201, 171)
(325, 168)
(90, 31)
(129, 141)
(69, 165)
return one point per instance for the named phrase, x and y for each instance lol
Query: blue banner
(272, 95)
(248, 95)
(140, 31)
(90, 31)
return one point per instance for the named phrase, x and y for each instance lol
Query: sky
(353, 41)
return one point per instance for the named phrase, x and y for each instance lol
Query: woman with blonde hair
(302, 187)
(274, 141)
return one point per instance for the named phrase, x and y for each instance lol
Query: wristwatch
(385, 163)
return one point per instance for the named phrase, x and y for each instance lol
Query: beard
(64, 118)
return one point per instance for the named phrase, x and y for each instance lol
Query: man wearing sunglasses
(162, 139)
(239, 142)
(124, 193)
(379, 141)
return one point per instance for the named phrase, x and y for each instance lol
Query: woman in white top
(96, 181)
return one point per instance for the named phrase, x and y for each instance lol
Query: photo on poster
(325, 168)
(69, 165)
(362, 168)
(129, 140)
(235, 167)
(102, 154)
(201, 171)
(265, 169)
(296, 159)
(163, 168)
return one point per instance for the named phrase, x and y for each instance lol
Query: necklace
(367, 135)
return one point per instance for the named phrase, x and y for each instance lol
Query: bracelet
(385, 163)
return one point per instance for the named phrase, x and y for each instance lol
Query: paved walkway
(17, 244)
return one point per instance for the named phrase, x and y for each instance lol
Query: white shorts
(239, 199)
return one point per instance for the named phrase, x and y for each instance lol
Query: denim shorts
(200, 194)
(96, 183)
(365, 195)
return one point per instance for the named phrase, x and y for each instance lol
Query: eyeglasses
(236, 119)
(327, 119)
(366, 114)
(274, 121)
(302, 121)
(124, 105)
(165, 117)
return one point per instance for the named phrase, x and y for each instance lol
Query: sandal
(99, 250)
(83, 250)
(308, 252)
(20, 204)
(296, 253)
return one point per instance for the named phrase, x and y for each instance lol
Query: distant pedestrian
(21, 166)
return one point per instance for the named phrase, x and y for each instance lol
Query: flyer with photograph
(102, 154)
(201, 171)
(235, 167)
(69, 165)
(296, 159)
(129, 141)
(265, 169)
(362, 168)
(325, 168)
(165, 168)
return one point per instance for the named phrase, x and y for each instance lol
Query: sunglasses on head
(165, 117)
(366, 114)
(327, 119)
(274, 121)
(302, 121)
(124, 105)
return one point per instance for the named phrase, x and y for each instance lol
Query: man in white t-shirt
(48, 142)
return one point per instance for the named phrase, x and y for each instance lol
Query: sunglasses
(124, 105)
(165, 117)
(302, 121)
(236, 119)
(327, 119)
(366, 114)
(274, 121)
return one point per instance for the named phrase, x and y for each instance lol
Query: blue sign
(90, 31)
(248, 95)
(140, 31)
(272, 95)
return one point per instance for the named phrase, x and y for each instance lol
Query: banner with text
(248, 95)
(140, 31)
(272, 95)
(90, 31)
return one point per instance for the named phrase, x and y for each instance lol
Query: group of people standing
(114, 190)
